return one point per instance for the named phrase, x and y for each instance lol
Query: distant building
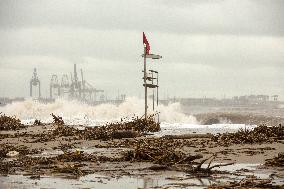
(235, 101)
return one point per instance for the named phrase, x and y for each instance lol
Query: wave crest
(75, 112)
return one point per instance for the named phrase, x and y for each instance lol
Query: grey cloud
(257, 17)
(209, 47)
(220, 51)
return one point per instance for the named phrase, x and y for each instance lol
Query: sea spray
(172, 113)
(78, 113)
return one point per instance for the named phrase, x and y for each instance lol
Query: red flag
(145, 41)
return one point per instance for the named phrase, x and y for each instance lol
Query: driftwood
(158, 167)
(198, 170)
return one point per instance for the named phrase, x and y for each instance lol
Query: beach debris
(57, 119)
(188, 136)
(158, 167)
(12, 151)
(164, 153)
(63, 130)
(10, 122)
(38, 122)
(277, 161)
(35, 177)
(75, 156)
(249, 182)
(124, 129)
(196, 168)
(11, 154)
(159, 151)
(137, 124)
(73, 169)
(168, 157)
(125, 134)
(260, 134)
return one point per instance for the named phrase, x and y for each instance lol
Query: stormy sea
(225, 146)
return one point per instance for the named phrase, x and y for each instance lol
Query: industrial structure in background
(73, 87)
(34, 82)
(236, 101)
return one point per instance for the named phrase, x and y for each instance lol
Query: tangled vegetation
(259, 134)
(122, 129)
(277, 161)
(10, 123)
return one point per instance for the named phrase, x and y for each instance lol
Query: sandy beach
(44, 153)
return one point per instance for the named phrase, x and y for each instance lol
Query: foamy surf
(178, 128)
(78, 113)
(173, 121)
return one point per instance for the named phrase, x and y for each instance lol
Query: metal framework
(35, 82)
(151, 78)
(54, 84)
(75, 88)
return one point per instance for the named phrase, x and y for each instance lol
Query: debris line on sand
(9, 123)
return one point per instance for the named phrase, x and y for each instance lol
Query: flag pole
(153, 92)
(145, 82)
(158, 95)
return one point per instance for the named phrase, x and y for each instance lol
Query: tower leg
(50, 92)
(145, 75)
(39, 94)
(31, 89)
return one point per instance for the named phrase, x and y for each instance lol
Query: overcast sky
(210, 48)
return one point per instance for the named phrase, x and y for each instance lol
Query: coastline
(80, 158)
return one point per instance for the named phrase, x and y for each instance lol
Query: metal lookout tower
(149, 77)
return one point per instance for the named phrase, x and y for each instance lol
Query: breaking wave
(77, 113)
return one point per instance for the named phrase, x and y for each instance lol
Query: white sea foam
(77, 113)
(185, 128)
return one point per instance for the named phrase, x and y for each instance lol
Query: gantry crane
(54, 84)
(36, 83)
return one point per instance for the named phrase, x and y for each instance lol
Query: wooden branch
(197, 168)
(220, 165)
(213, 157)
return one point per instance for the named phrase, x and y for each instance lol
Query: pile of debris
(24, 162)
(249, 182)
(6, 150)
(38, 122)
(63, 130)
(123, 129)
(168, 154)
(71, 162)
(136, 124)
(276, 161)
(159, 151)
(57, 119)
(9, 123)
(76, 156)
(259, 134)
